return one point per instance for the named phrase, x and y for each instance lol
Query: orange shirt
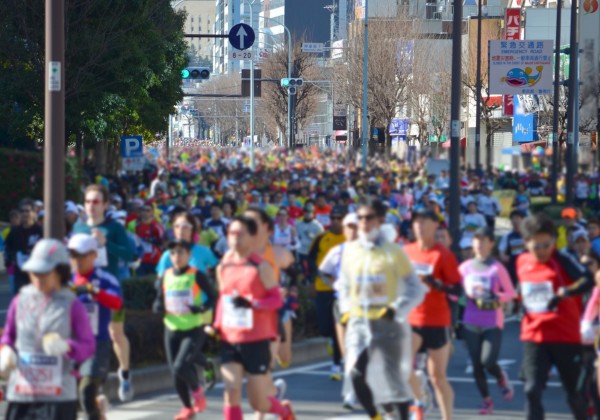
(441, 263)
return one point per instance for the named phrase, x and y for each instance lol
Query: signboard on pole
(262, 54)
(512, 25)
(241, 36)
(132, 153)
(313, 47)
(524, 123)
(521, 67)
(239, 55)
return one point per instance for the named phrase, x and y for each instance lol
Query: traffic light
(292, 84)
(191, 73)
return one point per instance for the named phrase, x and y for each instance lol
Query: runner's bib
(536, 296)
(477, 287)
(177, 301)
(372, 289)
(102, 258)
(236, 318)
(39, 375)
(324, 219)
(422, 269)
(93, 312)
(147, 247)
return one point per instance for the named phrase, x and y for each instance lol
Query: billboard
(512, 31)
(521, 67)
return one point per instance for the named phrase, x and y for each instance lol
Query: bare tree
(389, 66)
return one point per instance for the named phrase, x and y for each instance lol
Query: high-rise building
(200, 20)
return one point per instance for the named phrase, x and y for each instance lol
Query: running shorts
(255, 357)
(433, 337)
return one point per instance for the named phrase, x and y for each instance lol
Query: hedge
(22, 175)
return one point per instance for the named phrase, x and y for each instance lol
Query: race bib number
(39, 375)
(371, 289)
(236, 318)
(536, 296)
(177, 301)
(21, 259)
(324, 219)
(423, 269)
(102, 258)
(477, 287)
(93, 312)
(147, 247)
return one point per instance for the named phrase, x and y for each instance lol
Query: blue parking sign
(132, 146)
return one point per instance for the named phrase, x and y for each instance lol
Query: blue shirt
(100, 316)
(202, 258)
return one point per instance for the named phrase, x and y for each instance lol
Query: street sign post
(239, 55)
(313, 47)
(241, 36)
(132, 153)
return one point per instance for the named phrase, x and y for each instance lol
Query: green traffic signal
(285, 82)
(185, 73)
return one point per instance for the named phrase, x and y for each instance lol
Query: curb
(158, 378)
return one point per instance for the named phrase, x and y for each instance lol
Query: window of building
(192, 19)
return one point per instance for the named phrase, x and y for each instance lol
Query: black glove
(488, 304)
(241, 302)
(387, 313)
(553, 302)
(83, 289)
(434, 283)
(195, 309)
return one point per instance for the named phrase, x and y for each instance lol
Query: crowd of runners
(231, 249)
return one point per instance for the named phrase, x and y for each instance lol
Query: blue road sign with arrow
(241, 36)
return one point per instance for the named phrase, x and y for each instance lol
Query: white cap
(39, 203)
(82, 243)
(46, 255)
(71, 207)
(350, 219)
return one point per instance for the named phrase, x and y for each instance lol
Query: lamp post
(478, 93)
(555, 148)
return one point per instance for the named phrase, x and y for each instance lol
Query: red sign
(512, 31)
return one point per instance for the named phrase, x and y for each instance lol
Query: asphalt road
(316, 397)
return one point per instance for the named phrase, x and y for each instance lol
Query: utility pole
(478, 93)
(54, 121)
(455, 125)
(555, 105)
(572, 107)
(365, 128)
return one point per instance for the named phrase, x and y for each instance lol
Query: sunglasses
(95, 201)
(367, 217)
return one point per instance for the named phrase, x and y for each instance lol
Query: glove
(241, 302)
(8, 360)
(387, 314)
(195, 309)
(83, 289)
(588, 334)
(54, 345)
(344, 318)
(211, 332)
(434, 283)
(487, 304)
(553, 302)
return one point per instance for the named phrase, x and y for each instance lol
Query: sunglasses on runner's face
(543, 246)
(367, 217)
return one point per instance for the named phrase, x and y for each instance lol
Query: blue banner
(524, 125)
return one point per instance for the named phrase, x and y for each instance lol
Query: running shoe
(350, 402)
(281, 388)
(199, 400)
(185, 414)
(417, 412)
(290, 415)
(487, 407)
(506, 387)
(210, 374)
(336, 373)
(125, 387)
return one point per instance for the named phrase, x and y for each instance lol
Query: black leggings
(484, 348)
(182, 348)
(363, 392)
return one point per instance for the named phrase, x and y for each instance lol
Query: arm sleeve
(119, 244)
(109, 299)
(9, 336)
(591, 309)
(583, 280)
(82, 341)
(507, 291)
(158, 307)
(205, 286)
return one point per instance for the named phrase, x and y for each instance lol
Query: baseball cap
(350, 219)
(578, 234)
(338, 211)
(179, 242)
(82, 243)
(71, 207)
(39, 203)
(426, 213)
(46, 255)
(568, 213)
(484, 232)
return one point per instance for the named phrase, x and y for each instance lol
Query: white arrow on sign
(242, 34)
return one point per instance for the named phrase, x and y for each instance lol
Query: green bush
(22, 175)
(139, 292)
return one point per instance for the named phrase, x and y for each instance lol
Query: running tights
(182, 348)
(484, 347)
(363, 392)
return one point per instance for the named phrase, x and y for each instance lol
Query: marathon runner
(246, 319)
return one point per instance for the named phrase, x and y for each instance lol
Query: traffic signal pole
(572, 105)
(555, 102)
(54, 121)
(365, 119)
